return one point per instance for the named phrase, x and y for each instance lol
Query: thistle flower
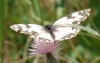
(49, 49)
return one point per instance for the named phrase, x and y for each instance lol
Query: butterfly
(59, 30)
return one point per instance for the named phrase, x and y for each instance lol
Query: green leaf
(87, 29)
(71, 60)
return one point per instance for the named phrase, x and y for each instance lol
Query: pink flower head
(45, 47)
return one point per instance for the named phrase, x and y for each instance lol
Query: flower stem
(51, 59)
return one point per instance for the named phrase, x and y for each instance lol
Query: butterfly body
(50, 30)
(59, 30)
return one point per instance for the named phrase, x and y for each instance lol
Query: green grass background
(85, 47)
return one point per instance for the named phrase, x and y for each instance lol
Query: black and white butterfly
(59, 30)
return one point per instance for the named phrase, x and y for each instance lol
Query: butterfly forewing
(32, 29)
(75, 17)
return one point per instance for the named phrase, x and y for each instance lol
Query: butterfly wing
(32, 29)
(35, 31)
(63, 31)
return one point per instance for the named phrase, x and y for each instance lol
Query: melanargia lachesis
(59, 30)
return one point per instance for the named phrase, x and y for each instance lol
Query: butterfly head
(48, 27)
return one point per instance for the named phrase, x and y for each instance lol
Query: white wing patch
(60, 28)
(45, 35)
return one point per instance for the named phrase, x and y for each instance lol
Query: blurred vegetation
(85, 47)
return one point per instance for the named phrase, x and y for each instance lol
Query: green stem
(2, 26)
(38, 10)
(80, 4)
